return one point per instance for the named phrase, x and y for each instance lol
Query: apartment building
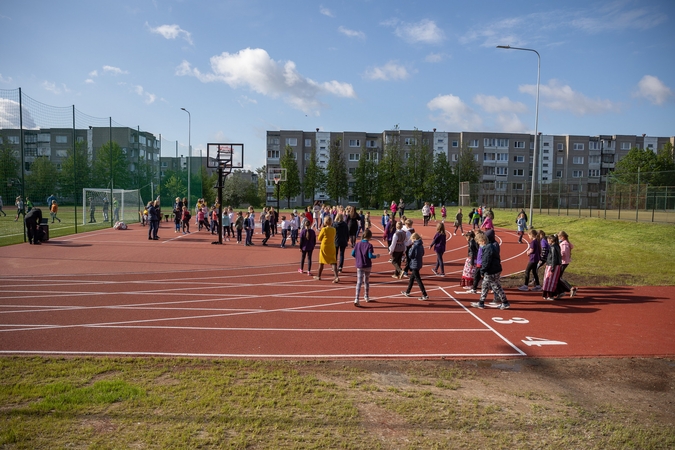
(580, 162)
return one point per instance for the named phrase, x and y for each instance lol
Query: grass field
(179, 403)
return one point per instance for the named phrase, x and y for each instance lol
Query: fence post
(74, 172)
(654, 206)
(620, 202)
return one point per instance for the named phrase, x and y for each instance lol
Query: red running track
(116, 293)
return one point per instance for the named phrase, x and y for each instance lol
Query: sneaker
(478, 305)
(367, 299)
(317, 278)
(505, 306)
(434, 271)
(309, 274)
(472, 291)
(494, 304)
(395, 276)
(300, 270)
(550, 299)
(524, 288)
(573, 292)
(356, 302)
(467, 288)
(423, 298)
(405, 293)
(536, 288)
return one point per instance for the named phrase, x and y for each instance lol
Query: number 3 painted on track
(508, 321)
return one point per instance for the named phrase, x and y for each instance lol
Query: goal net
(97, 205)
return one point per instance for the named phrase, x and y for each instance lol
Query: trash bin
(44, 226)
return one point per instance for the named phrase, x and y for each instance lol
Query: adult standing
(32, 220)
(394, 209)
(327, 249)
(4, 214)
(341, 239)
(459, 217)
(106, 205)
(401, 208)
(153, 216)
(116, 210)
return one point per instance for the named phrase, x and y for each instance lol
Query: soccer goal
(97, 205)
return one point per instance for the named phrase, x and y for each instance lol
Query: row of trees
(413, 174)
(109, 166)
(647, 167)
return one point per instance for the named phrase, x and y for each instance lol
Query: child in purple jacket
(363, 252)
(438, 245)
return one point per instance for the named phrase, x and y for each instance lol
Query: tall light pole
(536, 126)
(189, 153)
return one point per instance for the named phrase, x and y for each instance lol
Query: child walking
(307, 244)
(552, 273)
(521, 222)
(491, 268)
(533, 254)
(53, 210)
(459, 217)
(416, 255)
(438, 245)
(266, 228)
(186, 220)
(469, 270)
(363, 252)
(285, 228)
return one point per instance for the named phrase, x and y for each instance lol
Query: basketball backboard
(229, 155)
(276, 174)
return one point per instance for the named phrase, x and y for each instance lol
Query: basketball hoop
(277, 178)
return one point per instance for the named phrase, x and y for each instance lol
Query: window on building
(577, 174)
(12, 139)
(30, 139)
(594, 159)
(372, 156)
(410, 141)
(500, 185)
(503, 171)
(594, 145)
(475, 157)
(308, 142)
(455, 157)
(455, 143)
(30, 152)
(561, 147)
(503, 157)
(355, 142)
(625, 146)
(473, 143)
(578, 146)
(519, 144)
(517, 186)
(578, 160)
(518, 172)
(488, 156)
(61, 139)
(308, 156)
(440, 140)
(371, 144)
(558, 173)
(165, 164)
(273, 154)
(594, 173)
(351, 170)
(519, 158)
(488, 170)
(559, 160)
(354, 156)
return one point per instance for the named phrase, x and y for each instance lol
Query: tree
(466, 169)
(174, 185)
(208, 183)
(637, 159)
(292, 186)
(142, 177)
(417, 169)
(109, 157)
(442, 182)
(41, 182)
(75, 172)
(261, 191)
(337, 184)
(9, 172)
(315, 177)
(391, 172)
(366, 181)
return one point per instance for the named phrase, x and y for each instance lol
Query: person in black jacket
(341, 239)
(32, 220)
(153, 218)
(491, 270)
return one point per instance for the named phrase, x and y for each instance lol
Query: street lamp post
(536, 126)
(189, 153)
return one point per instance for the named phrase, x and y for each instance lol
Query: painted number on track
(511, 320)
(539, 342)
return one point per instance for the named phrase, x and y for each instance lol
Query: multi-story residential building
(581, 163)
(54, 143)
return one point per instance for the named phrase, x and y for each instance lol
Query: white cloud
(244, 100)
(147, 96)
(89, 81)
(510, 123)
(5, 80)
(52, 87)
(171, 32)
(613, 16)
(653, 89)
(10, 118)
(114, 70)
(425, 31)
(326, 12)
(493, 104)
(93, 73)
(561, 97)
(454, 113)
(434, 57)
(390, 71)
(351, 33)
(255, 70)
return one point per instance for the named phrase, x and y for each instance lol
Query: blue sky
(244, 67)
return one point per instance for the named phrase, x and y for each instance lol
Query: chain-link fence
(608, 199)
(72, 166)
